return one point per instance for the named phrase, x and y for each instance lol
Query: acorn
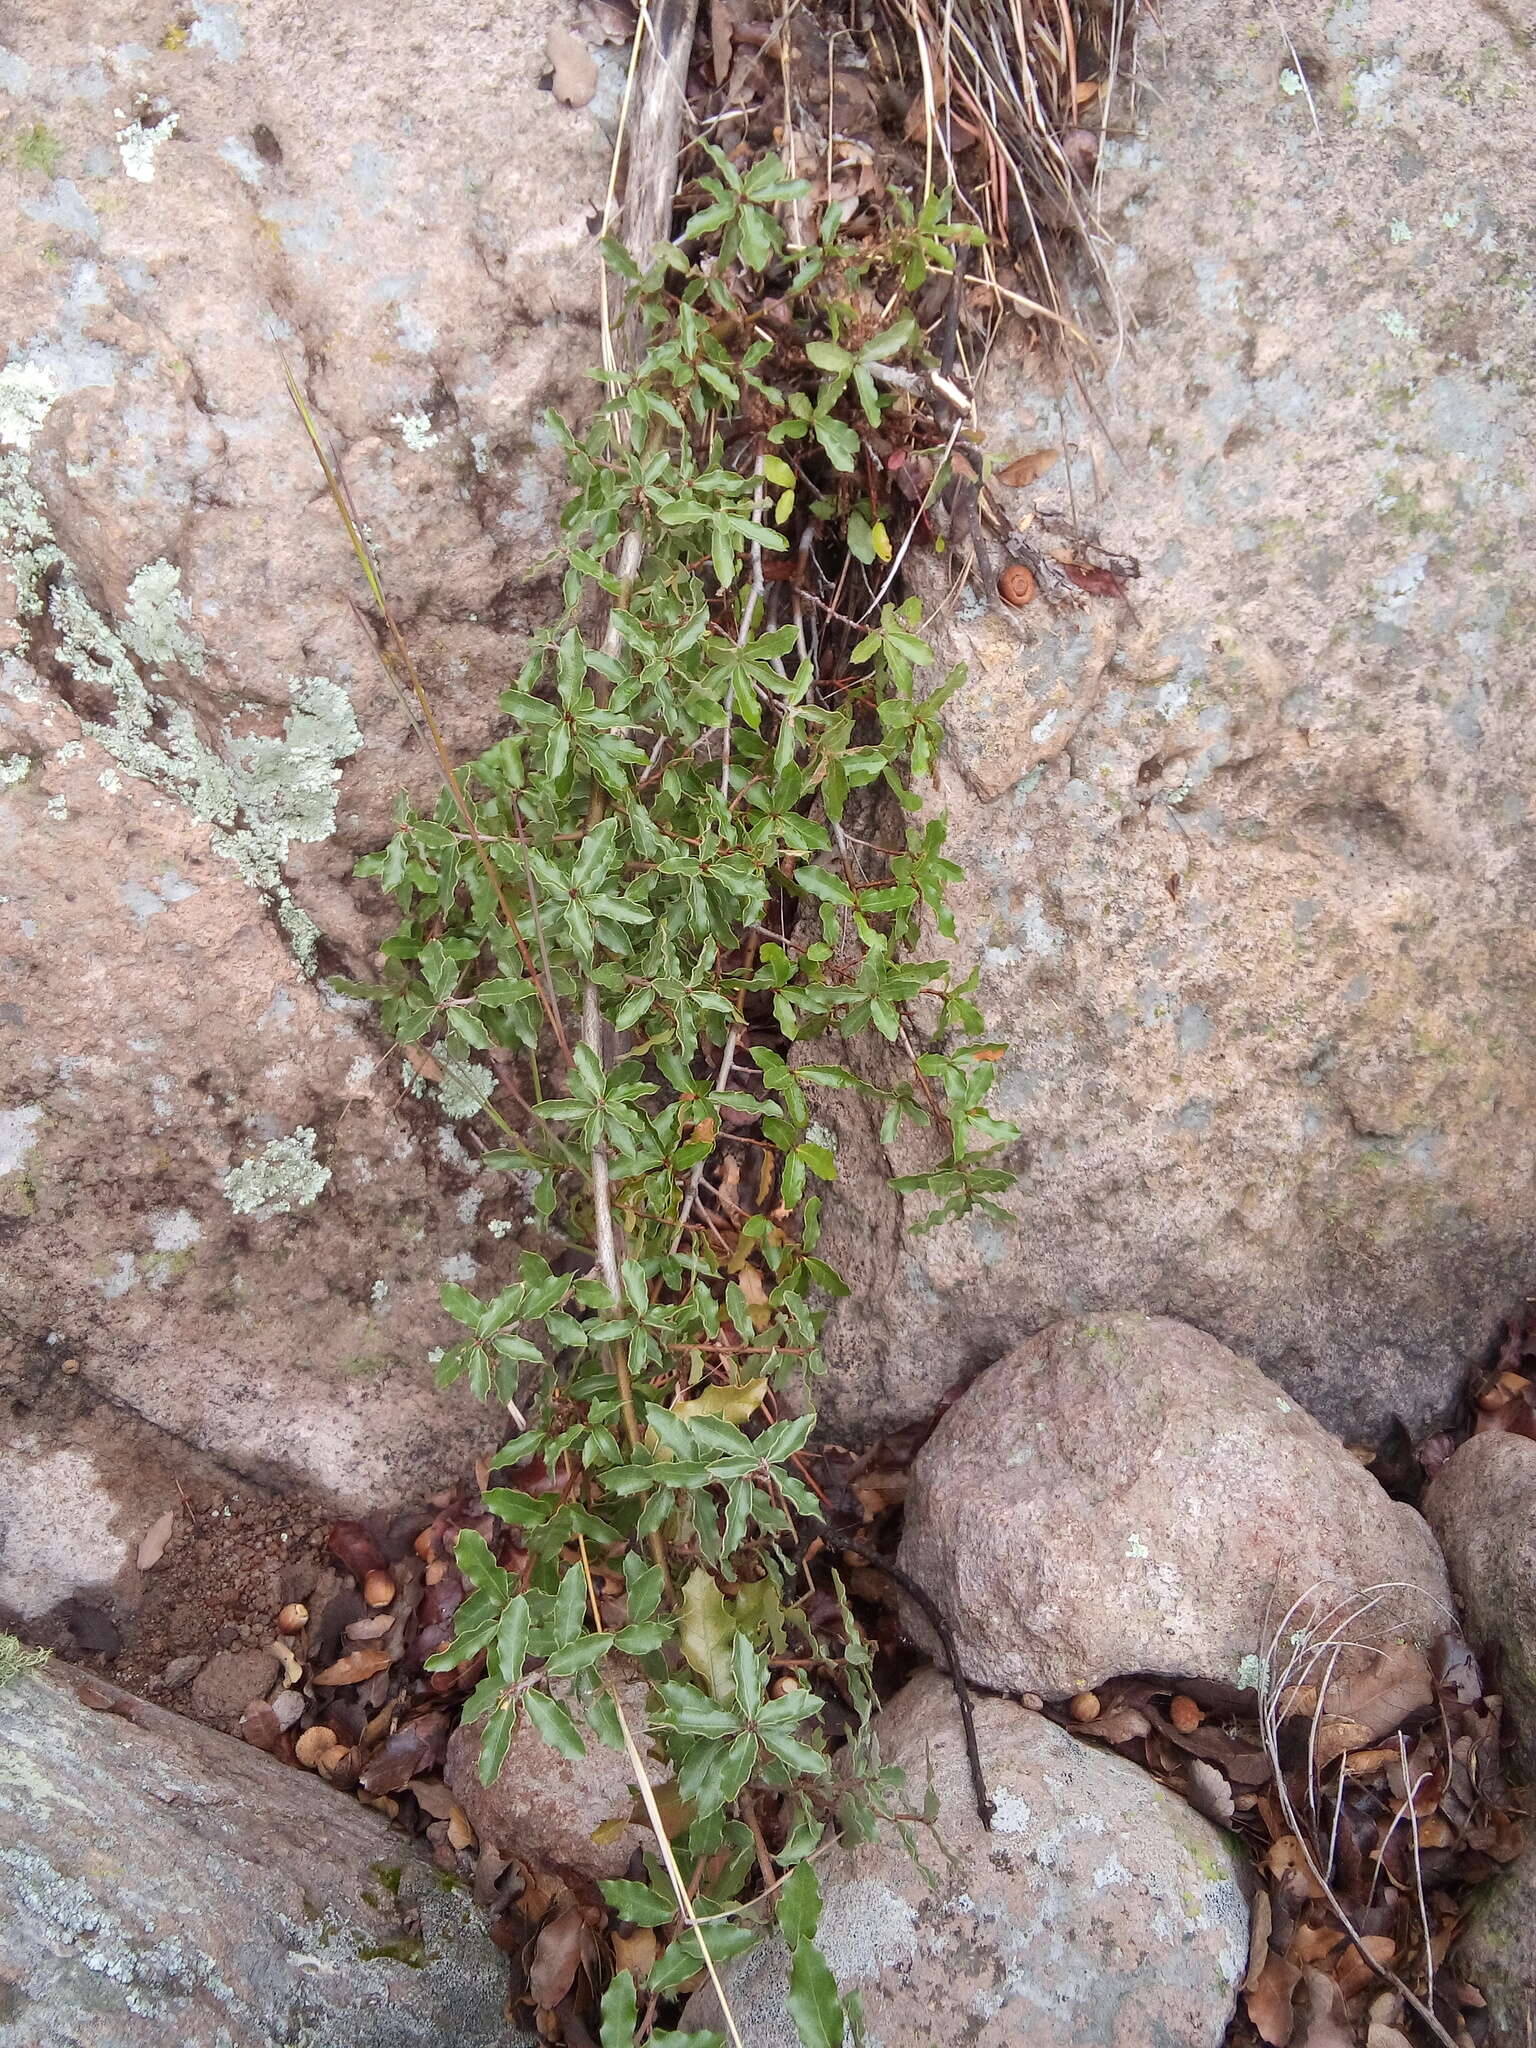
(378, 1589)
(1017, 586)
(291, 1619)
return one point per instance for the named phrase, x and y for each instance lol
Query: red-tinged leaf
(354, 1668)
(260, 1726)
(408, 1753)
(556, 1955)
(1096, 582)
(355, 1548)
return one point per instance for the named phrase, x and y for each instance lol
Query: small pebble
(1085, 1707)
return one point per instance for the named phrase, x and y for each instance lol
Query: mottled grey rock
(1100, 1912)
(195, 749)
(1122, 1493)
(545, 1808)
(1252, 867)
(1497, 1952)
(162, 1883)
(1482, 1507)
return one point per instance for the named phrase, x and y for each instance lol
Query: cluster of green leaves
(663, 825)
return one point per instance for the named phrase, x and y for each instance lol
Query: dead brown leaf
(575, 74)
(410, 1752)
(355, 1548)
(1120, 1724)
(1358, 1709)
(556, 1955)
(352, 1669)
(1209, 1793)
(1263, 1919)
(1025, 469)
(1353, 1973)
(1269, 2000)
(722, 40)
(158, 1534)
(432, 1796)
(636, 1952)
(1325, 2016)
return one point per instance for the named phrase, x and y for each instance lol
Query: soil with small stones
(232, 1560)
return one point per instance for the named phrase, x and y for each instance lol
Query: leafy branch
(642, 919)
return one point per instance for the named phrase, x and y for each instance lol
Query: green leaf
(799, 1905)
(704, 1632)
(578, 1656)
(841, 443)
(511, 1640)
(473, 1555)
(825, 883)
(618, 2011)
(554, 1724)
(493, 1744)
(685, 1958)
(814, 2005)
(637, 1902)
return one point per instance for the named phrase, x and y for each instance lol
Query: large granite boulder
(1251, 857)
(1482, 1506)
(162, 1882)
(1121, 1493)
(1497, 1952)
(196, 741)
(1099, 1912)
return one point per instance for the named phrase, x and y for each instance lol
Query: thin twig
(984, 1807)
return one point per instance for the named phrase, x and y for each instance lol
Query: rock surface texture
(1498, 1951)
(1100, 1912)
(162, 1882)
(195, 740)
(1122, 1493)
(1252, 867)
(1482, 1506)
(545, 1808)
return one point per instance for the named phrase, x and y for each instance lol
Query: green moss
(409, 1949)
(37, 149)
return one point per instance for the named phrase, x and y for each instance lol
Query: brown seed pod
(1017, 586)
(1084, 1706)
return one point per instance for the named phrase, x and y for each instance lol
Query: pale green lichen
(260, 793)
(136, 145)
(466, 1087)
(283, 1176)
(15, 769)
(415, 430)
(26, 392)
